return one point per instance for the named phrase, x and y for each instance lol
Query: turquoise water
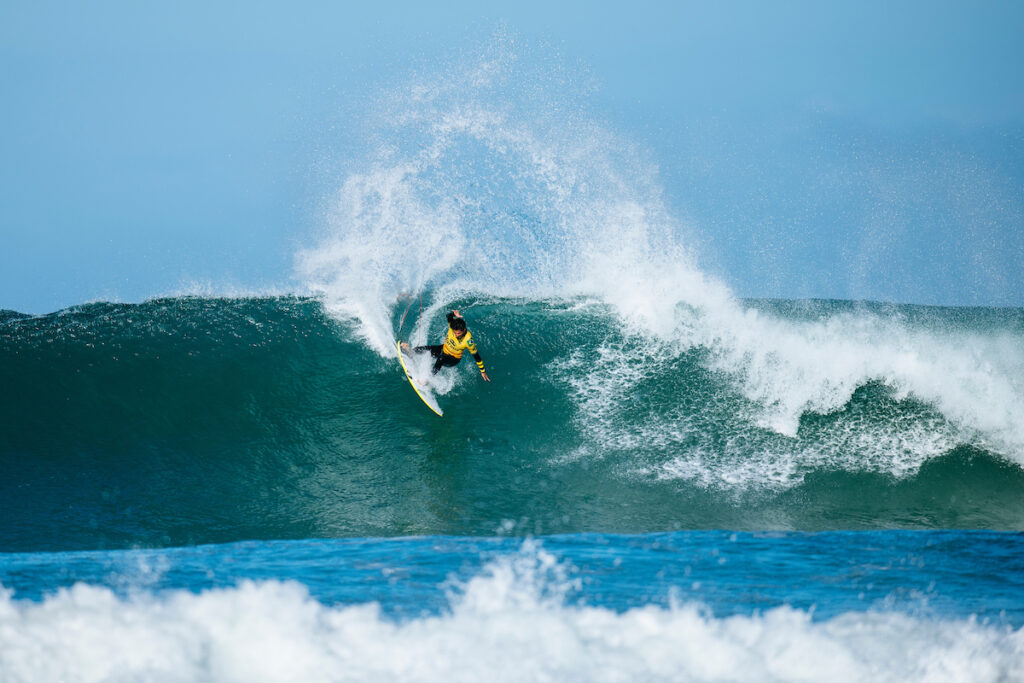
(728, 573)
(185, 421)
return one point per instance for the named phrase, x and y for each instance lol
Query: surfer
(458, 340)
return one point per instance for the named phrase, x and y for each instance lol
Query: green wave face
(196, 420)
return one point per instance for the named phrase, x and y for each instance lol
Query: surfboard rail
(429, 401)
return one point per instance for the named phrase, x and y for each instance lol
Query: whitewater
(519, 615)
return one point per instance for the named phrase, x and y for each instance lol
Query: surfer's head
(458, 327)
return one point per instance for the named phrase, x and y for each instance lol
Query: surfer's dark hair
(458, 324)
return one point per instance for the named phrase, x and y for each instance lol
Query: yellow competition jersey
(454, 346)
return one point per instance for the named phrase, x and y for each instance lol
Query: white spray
(485, 182)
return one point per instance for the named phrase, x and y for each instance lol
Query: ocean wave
(476, 190)
(510, 622)
(219, 419)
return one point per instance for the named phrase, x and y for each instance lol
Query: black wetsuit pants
(443, 359)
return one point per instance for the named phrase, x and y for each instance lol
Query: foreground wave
(193, 420)
(690, 606)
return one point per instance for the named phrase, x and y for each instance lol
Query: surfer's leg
(444, 360)
(435, 350)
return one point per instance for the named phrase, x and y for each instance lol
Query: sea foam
(509, 623)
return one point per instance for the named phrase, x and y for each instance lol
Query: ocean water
(662, 481)
(675, 606)
(241, 489)
(195, 421)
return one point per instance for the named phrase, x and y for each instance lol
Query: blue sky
(848, 150)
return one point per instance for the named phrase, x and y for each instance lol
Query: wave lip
(488, 179)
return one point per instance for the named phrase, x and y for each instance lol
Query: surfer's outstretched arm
(480, 364)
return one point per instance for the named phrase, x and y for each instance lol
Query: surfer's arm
(479, 361)
(435, 349)
(480, 364)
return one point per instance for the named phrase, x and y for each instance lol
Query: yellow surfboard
(425, 395)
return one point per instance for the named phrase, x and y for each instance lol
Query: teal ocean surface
(187, 421)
